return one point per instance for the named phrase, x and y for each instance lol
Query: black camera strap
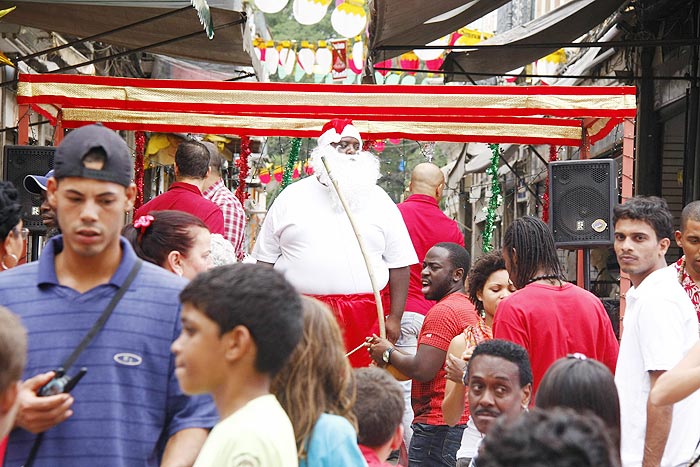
(103, 317)
(99, 324)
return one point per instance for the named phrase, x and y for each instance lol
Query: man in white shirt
(660, 326)
(307, 236)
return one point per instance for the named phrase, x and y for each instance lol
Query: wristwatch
(387, 354)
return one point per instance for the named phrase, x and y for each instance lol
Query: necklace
(543, 276)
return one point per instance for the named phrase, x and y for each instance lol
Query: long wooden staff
(368, 263)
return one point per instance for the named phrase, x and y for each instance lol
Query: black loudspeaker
(581, 199)
(20, 161)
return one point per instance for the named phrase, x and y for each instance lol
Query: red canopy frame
(494, 114)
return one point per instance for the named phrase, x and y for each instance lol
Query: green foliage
(396, 162)
(283, 26)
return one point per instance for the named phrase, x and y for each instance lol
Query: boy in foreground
(235, 336)
(379, 411)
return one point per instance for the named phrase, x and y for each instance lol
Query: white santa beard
(356, 174)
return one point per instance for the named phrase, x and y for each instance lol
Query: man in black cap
(36, 185)
(128, 409)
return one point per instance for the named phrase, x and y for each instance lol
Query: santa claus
(308, 237)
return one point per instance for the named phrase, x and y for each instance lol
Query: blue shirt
(333, 443)
(129, 402)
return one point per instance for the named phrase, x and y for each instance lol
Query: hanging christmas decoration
(357, 64)
(291, 162)
(288, 58)
(349, 18)
(392, 78)
(339, 59)
(140, 138)
(242, 164)
(494, 201)
(431, 54)
(310, 12)
(271, 6)
(272, 58)
(435, 65)
(545, 196)
(306, 58)
(409, 62)
(324, 59)
(427, 148)
(379, 67)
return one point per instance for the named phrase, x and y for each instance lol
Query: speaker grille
(20, 161)
(581, 201)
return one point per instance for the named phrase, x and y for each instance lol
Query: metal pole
(587, 268)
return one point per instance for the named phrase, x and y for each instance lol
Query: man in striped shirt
(128, 409)
(216, 191)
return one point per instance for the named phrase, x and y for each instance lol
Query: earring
(4, 266)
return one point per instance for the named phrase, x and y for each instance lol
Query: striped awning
(492, 114)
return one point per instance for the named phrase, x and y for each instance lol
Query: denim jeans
(434, 445)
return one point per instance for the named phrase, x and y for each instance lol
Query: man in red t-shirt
(548, 316)
(444, 272)
(191, 169)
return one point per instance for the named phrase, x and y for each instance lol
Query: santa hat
(336, 129)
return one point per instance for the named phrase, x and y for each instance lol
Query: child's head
(318, 377)
(13, 356)
(231, 314)
(583, 384)
(379, 407)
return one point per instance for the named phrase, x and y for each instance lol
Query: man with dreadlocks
(547, 315)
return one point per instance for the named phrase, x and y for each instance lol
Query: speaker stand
(587, 268)
(35, 247)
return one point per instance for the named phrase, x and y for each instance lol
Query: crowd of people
(153, 343)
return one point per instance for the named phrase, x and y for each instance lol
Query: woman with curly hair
(174, 240)
(13, 235)
(487, 285)
(317, 389)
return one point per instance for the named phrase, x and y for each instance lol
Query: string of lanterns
(328, 61)
(343, 60)
(348, 19)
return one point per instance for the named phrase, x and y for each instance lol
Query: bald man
(427, 225)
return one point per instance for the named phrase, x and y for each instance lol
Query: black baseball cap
(69, 156)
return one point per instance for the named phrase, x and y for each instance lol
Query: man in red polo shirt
(191, 169)
(445, 269)
(427, 226)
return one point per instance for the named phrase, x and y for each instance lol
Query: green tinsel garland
(291, 161)
(495, 199)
